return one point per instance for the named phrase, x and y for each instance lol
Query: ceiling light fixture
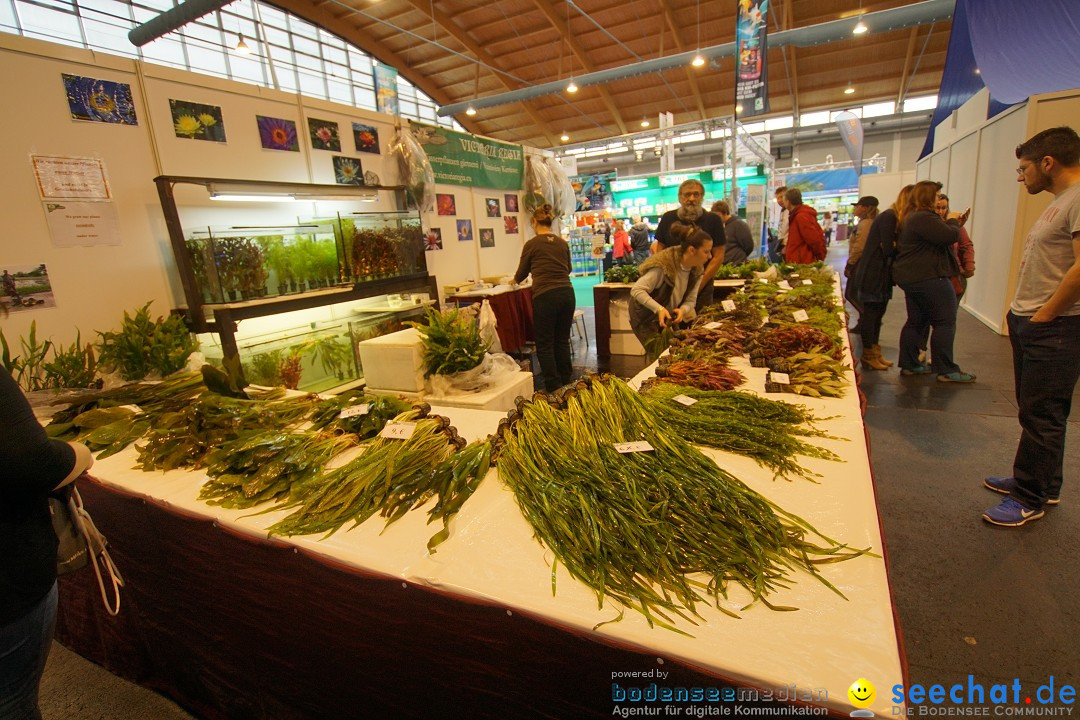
(644, 122)
(564, 137)
(572, 87)
(470, 111)
(859, 28)
(242, 47)
(698, 60)
(738, 108)
(849, 90)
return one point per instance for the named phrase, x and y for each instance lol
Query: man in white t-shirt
(1044, 328)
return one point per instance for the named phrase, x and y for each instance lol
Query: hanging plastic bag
(537, 184)
(494, 369)
(488, 327)
(416, 173)
(564, 200)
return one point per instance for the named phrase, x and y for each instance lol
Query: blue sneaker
(1011, 514)
(1005, 486)
(917, 370)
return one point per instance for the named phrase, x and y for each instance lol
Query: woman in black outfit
(31, 466)
(922, 268)
(872, 279)
(547, 257)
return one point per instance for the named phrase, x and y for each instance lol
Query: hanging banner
(751, 68)
(386, 95)
(851, 133)
(462, 159)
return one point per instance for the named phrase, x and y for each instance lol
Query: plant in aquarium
(277, 260)
(227, 259)
(332, 352)
(252, 269)
(264, 368)
(348, 241)
(326, 252)
(201, 258)
(290, 370)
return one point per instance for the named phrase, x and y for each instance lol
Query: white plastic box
(394, 362)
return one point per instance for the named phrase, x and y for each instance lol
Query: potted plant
(227, 261)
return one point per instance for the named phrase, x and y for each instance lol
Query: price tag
(765, 320)
(684, 399)
(800, 316)
(354, 411)
(728, 305)
(398, 430)
(633, 447)
(807, 282)
(133, 408)
(712, 326)
(763, 280)
(780, 378)
(784, 285)
(794, 275)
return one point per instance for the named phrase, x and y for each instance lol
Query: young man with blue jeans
(1044, 328)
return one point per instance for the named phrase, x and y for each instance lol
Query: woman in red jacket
(806, 240)
(622, 252)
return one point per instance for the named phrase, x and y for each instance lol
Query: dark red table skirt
(235, 627)
(513, 316)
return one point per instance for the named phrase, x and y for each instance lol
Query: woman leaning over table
(32, 467)
(667, 289)
(923, 267)
(547, 257)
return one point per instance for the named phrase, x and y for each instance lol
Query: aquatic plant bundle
(373, 412)
(390, 477)
(184, 437)
(812, 374)
(264, 467)
(143, 346)
(453, 482)
(622, 274)
(717, 344)
(747, 315)
(745, 270)
(818, 273)
(110, 420)
(701, 374)
(657, 531)
(766, 430)
(787, 340)
(452, 342)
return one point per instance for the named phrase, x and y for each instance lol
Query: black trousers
(870, 322)
(553, 314)
(1046, 366)
(931, 304)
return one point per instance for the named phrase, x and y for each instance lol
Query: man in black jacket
(691, 211)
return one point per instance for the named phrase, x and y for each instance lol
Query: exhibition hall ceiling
(457, 50)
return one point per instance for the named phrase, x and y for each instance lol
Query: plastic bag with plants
(452, 342)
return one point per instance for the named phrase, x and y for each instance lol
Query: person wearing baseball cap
(866, 209)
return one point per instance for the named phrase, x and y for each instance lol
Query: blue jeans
(930, 304)
(24, 647)
(1046, 365)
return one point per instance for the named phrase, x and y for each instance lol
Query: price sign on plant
(633, 447)
(684, 399)
(712, 326)
(728, 305)
(398, 430)
(780, 378)
(784, 285)
(807, 282)
(800, 316)
(354, 411)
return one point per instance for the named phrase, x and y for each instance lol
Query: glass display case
(373, 245)
(315, 349)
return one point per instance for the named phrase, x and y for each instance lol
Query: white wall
(94, 285)
(885, 186)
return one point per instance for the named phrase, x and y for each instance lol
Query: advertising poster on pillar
(462, 159)
(751, 68)
(593, 191)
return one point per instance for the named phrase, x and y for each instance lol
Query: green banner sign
(461, 159)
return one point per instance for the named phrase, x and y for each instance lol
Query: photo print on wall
(464, 230)
(445, 204)
(99, 100)
(492, 205)
(348, 171)
(324, 135)
(196, 121)
(510, 224)
(25, 287)
(487, 237)
(366, 138)
(277, 134)
(433, 239)
(511, 202)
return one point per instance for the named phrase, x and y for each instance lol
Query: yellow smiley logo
(861, 693)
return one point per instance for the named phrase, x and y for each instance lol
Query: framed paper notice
(70, 178)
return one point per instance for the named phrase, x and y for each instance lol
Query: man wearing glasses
(691, 211)
(1044, 328)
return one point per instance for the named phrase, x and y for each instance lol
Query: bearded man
(691, 211)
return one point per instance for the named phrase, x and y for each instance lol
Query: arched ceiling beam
(670, 18)
(559, 24)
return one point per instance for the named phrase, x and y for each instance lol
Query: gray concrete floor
(973, 599)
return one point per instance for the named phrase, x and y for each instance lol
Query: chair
(582, 331)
